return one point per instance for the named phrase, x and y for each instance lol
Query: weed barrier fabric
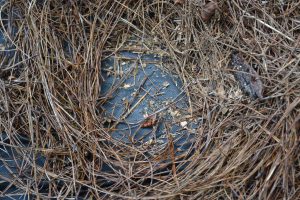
(141, 90)
(15, 167)
(16, 154)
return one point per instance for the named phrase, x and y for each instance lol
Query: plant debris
(241, 151)
(248, 79)
(149, 122)
(208, 11)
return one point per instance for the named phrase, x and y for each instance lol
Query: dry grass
(49, 92)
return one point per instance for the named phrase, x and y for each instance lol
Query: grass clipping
(49, 93)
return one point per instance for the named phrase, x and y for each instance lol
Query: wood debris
(248, 79)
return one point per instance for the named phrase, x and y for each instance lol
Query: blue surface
(157, 89)
(6, 47)
(12, 165)
(9, 159)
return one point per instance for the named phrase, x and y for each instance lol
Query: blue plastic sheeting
(136, 86)
(15, 168)
(7, 48)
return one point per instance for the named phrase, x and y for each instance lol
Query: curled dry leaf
(149, 122)
(180, 2)
(208, 11)
(248, 79)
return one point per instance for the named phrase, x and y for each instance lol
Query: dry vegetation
(49, 92)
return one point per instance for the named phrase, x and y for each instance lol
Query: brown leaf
(208, 11)
(249, 80)
(180, 2)
(149, 122)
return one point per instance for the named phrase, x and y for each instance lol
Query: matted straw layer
(50, 82)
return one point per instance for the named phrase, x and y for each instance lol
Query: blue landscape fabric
(142, 88)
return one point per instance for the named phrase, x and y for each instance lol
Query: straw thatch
(50, 93)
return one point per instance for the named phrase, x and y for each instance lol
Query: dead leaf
(149, 122)
(180, 2)
(208, 11)
(248, 79)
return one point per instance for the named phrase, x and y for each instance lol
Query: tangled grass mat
(237, 62)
